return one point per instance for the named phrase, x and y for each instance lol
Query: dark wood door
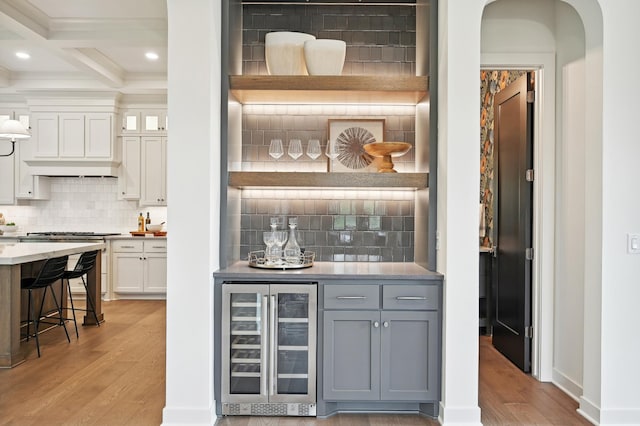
(513, 222)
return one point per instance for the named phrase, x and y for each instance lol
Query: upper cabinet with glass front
(136, 120)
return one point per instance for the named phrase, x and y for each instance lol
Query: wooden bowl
(386, 150)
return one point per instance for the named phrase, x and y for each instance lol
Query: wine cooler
(269, 349)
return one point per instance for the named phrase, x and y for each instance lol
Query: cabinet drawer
(351, 297)
(159, 246)
(412, 297)
(127, 246)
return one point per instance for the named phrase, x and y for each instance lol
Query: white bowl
(155, 228)
(325, 56)
(284, 52)
(9, 229)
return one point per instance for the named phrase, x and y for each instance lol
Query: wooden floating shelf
(350, 89)
(328, 180)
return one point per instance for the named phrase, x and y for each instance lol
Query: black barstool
(86, 262)
(51, 272)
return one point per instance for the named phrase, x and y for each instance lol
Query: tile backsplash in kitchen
(339, 226)
(380, 39)
(88, 204)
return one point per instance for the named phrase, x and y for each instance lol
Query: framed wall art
(347, 138)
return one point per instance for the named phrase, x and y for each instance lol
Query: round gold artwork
(349, 145)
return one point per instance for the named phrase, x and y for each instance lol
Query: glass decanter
(292, 248)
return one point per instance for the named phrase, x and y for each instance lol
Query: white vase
(284, 52)
(325, 56)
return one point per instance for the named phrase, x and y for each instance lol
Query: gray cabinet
(381, 342)
(351, 355)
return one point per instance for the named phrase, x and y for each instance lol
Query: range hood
(80, 167)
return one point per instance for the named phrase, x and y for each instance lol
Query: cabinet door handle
(351, 297)
(411, 298)
(376, 324)
(385, 324)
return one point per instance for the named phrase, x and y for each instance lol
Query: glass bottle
(147, 222)
(140, 223)
(292, 248)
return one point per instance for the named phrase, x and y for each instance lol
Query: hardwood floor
(111, 375)
(114, 375)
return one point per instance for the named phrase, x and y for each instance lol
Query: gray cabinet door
(351, 355)
(409, 356)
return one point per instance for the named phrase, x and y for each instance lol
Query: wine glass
(295, 148)
(331, 151)
(275, 148)
(313, 150)
(269, 239)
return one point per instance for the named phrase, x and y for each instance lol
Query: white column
(458, 185)
(193, 212)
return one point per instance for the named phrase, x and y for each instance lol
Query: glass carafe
(292, 248)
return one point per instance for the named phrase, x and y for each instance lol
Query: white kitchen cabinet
(153, 171)
(130, 168)
(139, 268)
(7, 187)
(28, 186)
(73, 136)
(8, 163)
(154, 121)
(144, 120)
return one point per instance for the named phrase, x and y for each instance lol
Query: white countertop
(16, 253)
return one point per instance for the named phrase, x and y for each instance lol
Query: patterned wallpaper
(491, 82)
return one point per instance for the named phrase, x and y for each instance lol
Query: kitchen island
(13, 257)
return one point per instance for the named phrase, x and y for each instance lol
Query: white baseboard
(567, 385)
(193, 416)
(459, 416)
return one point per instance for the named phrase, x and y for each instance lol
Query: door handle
(272, 343)
(411, 298)
(376, 324)
(351, 297)
(263, 343)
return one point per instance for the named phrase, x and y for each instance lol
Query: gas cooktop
(74, 233)
(68, 235)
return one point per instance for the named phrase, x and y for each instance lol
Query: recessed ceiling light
(152, 56)
(23, 55)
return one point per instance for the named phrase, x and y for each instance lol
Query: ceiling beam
(37, 31)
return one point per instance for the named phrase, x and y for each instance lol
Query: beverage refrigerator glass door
(269, 349)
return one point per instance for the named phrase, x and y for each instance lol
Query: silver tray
(258, 260)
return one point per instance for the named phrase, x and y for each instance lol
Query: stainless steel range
(65, 236)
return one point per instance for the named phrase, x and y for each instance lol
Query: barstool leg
(36, 321)
(73, 309)
(55, 299)
(29, 316)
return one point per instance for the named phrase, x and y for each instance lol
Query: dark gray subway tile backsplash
(347, 233)
(380, 39)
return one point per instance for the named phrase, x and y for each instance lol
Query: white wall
(620, 290)
(194, 212)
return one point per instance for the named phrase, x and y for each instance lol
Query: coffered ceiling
(90, 45)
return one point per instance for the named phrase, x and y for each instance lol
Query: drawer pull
(411, 298)
(127, 246)
(351, 297)
(161, 247)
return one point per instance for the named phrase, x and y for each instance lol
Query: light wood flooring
(114, 375)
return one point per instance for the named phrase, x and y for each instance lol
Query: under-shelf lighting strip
(391, 194)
